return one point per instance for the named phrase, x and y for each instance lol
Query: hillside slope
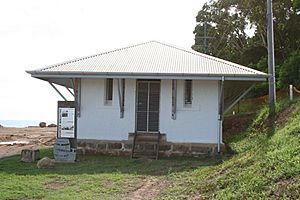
(266, 163)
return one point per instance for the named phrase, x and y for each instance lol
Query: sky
(35, 34)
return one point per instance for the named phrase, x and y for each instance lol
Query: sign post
(66, 142)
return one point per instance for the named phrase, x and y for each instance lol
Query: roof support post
(57, 91)
(121, 93)
(70, 91)
(221, 112)
(76, 83)
(239, 98)
(174, 98)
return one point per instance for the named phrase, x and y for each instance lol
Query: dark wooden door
(147, 108)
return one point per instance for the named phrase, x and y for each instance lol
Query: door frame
(136, 103)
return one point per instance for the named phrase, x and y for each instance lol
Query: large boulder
(52, 125)
(45, 163)
(42, 124)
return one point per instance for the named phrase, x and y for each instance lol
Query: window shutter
(188, 92)
(109, 91)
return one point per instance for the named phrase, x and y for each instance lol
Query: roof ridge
(211, 57)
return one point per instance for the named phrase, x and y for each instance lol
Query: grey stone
(29, 155)
(181, 148)
(165, 147)
(45, 163)
(101, 146)
(115, 145)
(128, 146)
(201, 149)
(42, 124)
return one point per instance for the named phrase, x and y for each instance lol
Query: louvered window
(109, 91)
(188, 92)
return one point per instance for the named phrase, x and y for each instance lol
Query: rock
(45, 163)
(52, 125)
(29, 155)
(1, 126)
(42, 124)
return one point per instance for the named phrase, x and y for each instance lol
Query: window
(109, 91)
(188, 92)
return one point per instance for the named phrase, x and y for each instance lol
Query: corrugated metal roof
(151, 58)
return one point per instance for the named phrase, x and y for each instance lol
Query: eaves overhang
(133, 75)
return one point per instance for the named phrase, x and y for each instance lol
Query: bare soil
(235, 124)
(55, 185)
(36, 136)
(282, 117)
(148, 188)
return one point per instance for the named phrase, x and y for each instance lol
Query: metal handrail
(157, 147)
(133, 145)
(296, 90)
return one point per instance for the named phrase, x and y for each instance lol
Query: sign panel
(66, 122)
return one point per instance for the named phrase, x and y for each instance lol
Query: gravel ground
(35, 137)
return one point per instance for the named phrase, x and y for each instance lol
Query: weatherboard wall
(198, 123)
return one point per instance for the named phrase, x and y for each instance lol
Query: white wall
(198, 123)
(100, 121)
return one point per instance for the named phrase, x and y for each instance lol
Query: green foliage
(290, 71)
(296, 4)
(227, 25)
(226, 29)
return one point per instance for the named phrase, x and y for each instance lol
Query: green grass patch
(92, 177)
(266, 163)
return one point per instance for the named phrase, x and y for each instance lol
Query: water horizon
(23, 123)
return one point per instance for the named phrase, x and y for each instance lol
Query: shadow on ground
(107, 164)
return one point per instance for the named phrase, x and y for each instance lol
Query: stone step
(145, 145)
(146, 152)
(150, 137)
(146, 139)
(143, 154)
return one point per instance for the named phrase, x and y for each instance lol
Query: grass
(266, 164)
(92, 177)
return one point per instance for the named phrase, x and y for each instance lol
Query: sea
(22, 123)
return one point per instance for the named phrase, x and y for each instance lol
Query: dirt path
(148, 188)
(34, 137)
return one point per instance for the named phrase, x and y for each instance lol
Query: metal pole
(235, 101)
(291, 92)
(271, 59)
(70, 91)
(205, 38)
(221, 112)
(121, 96)
(60, 94)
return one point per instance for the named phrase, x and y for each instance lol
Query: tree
(296, 4)
(290, 71)
(228, 22)
(226, 29)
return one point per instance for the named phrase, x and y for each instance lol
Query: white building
(152, 88)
